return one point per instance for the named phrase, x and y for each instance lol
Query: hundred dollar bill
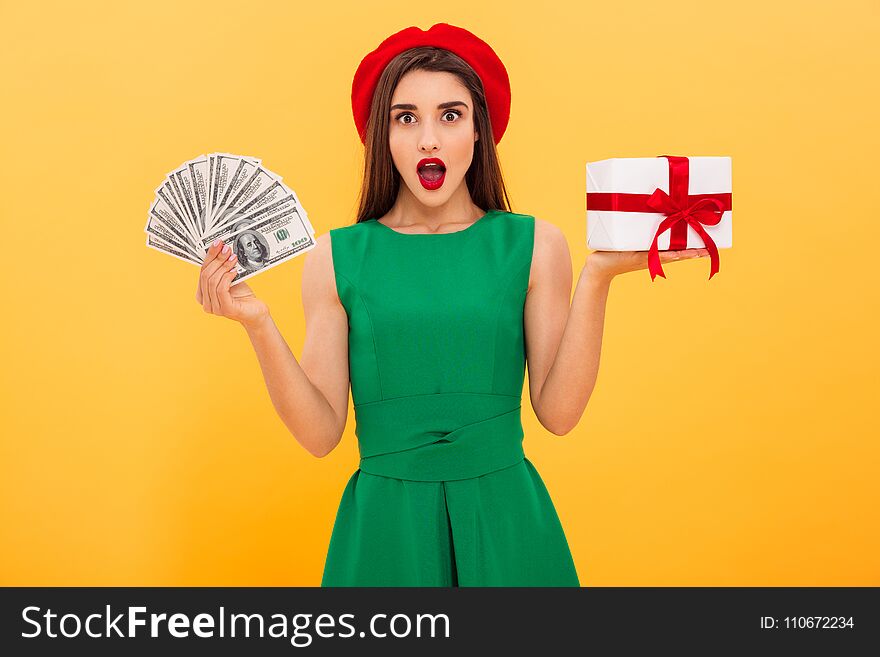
(238, 176)
(170, 233)
(223, 170)
(263, 245)
(272, 199)
(157, 243)
(233, 198)
(182, 188)
(197, 168)
(257, 214)
(171, 217)
(165, 192)
(266, 197)
(259, 182)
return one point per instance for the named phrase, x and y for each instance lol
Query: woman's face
(432, 117)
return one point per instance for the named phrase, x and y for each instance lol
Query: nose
(428, 139)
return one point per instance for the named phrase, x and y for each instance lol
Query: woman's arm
(563, 343)
(310, 396)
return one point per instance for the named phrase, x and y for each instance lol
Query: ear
(476, 136)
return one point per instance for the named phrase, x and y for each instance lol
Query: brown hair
(381, 180)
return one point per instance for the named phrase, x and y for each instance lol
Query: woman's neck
(408, 212)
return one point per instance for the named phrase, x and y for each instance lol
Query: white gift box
(618, 188)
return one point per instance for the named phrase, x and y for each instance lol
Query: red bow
(694, 215)
(681, 210)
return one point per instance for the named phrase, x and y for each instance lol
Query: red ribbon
(681, 210)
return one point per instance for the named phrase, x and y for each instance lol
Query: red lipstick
(431, 176)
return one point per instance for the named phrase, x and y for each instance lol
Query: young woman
(430, 305)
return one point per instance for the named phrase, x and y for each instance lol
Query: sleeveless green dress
(444, 495)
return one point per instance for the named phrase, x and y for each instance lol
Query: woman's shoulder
(351, 236)
(551, 254)
(546, 234)
(349, 228)
(516, 217)
(543, 229)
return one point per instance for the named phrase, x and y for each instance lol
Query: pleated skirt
(498, 529)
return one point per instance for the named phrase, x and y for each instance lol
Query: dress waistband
(439, 437)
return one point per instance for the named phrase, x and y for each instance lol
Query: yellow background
(731, 438)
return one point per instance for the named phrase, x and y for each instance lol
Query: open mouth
(431, 172)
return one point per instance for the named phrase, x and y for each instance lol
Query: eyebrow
(410, 106)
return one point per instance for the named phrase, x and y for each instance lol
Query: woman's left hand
(608, 264)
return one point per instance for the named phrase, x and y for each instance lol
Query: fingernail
(215, 242)
(226, 249)
(231, 256)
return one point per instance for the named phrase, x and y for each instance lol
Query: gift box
(660, 203)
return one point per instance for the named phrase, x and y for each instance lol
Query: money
(233, 198)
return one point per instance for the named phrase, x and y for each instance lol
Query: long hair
(381, 180)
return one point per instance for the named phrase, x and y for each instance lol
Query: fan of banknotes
(233, 198)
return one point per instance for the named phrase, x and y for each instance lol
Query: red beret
(469, 47)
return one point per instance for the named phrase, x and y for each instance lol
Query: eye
(403, 115)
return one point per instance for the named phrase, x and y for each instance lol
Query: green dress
(444, 495)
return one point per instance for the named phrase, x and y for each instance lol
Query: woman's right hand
(217, 297)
